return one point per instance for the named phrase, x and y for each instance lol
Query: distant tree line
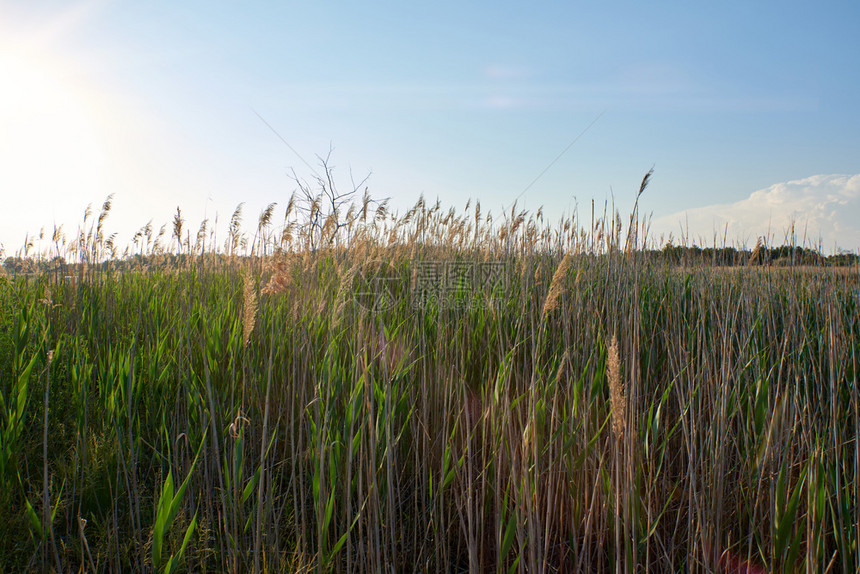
(29, 265)
(783, 256)
(729, 256)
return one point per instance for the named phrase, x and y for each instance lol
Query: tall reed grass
(222, 410)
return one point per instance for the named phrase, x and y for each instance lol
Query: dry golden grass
(557, 285)
(617, 391)
(249, 315)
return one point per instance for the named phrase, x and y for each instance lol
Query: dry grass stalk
(556, 287)
(617, 392)
(250, 305)
(756, 255)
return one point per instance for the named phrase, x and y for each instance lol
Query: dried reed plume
(250, 304)
(266, 216)
(617, 392)
(177, 227)
(280, 280)
(234, 230)
(556, 287)
(757, 254)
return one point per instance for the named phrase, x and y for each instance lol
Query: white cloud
(821, 207)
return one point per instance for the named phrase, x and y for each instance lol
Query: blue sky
(747, 111)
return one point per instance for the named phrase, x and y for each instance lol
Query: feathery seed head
(250, 308)
(556, 287)
(617, 392)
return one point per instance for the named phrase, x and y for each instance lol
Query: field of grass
(432, 393)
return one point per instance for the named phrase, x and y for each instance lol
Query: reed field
(356, 391)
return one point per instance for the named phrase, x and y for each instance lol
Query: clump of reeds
(429, 439)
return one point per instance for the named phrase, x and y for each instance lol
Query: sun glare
(49, 145)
